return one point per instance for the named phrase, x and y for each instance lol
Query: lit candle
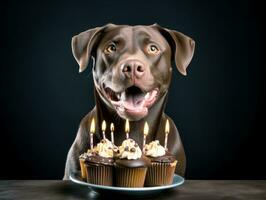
(127, 129)
(92, 130)
(167, 128)
(103, 128)
(112, 128)
(145, 133)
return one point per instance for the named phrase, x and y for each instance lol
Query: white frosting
(154, 149)
(89, 152)
(83, 156)
(129, 150)
(105, 148)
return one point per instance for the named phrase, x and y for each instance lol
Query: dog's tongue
(133, 101)
(137, 101)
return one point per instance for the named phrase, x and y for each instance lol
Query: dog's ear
(182, 46)
(83, 44)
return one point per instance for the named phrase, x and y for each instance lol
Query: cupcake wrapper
(83, 169)
(100, 174)
(160, 174)
(130, 177)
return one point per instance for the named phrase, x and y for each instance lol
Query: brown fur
(156, 71)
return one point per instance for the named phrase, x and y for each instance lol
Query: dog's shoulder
(175, 146)
(83, 131)
(82, 134)
(173, 127)
(174, 139)
(87, 119)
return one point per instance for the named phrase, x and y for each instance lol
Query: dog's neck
(154, 119)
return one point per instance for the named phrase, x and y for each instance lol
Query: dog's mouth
(132, 101)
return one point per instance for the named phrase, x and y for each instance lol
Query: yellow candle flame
(146, 129)
(112, 127)
(103, 125)
(167, 126)
(127, 126)
(92, 128)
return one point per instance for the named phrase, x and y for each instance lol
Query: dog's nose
(133, 68)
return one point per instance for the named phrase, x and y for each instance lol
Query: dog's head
(132, 64)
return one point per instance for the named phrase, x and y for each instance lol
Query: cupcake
(83, 169)
(99, 163)
(163, 164)
(130, 165)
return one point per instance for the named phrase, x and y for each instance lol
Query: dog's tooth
(122, 108)
(123, 96)
(147, 95)
(118, 96)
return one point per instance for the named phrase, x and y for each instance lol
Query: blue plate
(178, 180)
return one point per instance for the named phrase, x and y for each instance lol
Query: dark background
(219, 107)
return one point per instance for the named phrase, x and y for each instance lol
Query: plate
(177, 181)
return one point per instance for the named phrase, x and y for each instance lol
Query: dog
(132, 70)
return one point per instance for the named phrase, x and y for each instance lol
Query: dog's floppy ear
(83, 43)
(182, 46)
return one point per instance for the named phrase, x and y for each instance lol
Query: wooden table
(191, 189)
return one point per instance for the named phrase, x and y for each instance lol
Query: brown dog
(132, 71)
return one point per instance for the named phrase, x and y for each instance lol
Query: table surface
(191, 189)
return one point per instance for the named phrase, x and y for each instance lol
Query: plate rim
(115, 188)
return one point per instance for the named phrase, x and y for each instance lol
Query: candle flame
(146, 129)
(112, 127)
(127, 126)
(167, 126)
(103, 125)
(92, 128)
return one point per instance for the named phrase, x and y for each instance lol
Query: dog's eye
(153, 49)
(110, 48)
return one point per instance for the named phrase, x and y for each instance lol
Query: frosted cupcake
(130, 165)
(163, 164)
(99, 163)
